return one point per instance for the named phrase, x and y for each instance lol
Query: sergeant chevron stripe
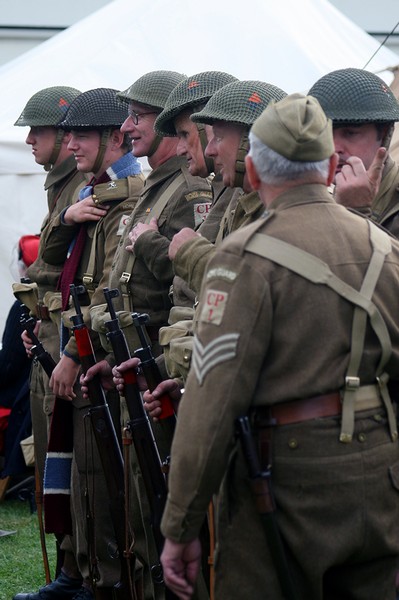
(217, 351)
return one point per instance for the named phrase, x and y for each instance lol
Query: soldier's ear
(252, 174)
(117, 138)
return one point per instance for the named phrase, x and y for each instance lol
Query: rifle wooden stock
(48, 364)
(152, 375)
(142, 437)
(108, 449)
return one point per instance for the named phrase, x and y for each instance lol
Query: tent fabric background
(290, 44)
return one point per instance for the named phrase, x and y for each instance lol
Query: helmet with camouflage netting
(95, 109)
(239, 102)
(355, 96)
(152, 89)
(193, 92)
(47, 107)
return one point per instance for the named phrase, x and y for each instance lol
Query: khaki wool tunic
(105, 234)
(265, 336)
(192, 257)
(152, 270)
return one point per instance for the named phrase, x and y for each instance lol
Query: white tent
(287, 43)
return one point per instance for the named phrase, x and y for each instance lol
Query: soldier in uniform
(363, 110)
(298, 330)
(43, 113)
(190, 96)
(84, 238)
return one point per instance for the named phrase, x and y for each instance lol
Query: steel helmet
(194, 91)
(95, 109)
(240, 102)
(47, 107)
(355, 96)
(152, 89)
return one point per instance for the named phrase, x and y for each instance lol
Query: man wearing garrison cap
(297, 331)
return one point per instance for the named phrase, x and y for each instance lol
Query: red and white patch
(201, 211)
(214, 307)
(122, 224)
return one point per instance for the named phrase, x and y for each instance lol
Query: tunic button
(377, 418)
(361, 437)
(293, 443)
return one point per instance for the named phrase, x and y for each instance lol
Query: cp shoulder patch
(219, 350)
(201, 211)
(122, 224)
(213, 307)
(200, 194)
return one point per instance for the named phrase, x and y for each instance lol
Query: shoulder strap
(155, 212)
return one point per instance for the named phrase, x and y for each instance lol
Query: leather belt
(42, 312)
(318, 407)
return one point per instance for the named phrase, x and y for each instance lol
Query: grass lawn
(21, 564)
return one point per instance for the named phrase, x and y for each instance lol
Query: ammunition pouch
(99, 316)
(177, 341)
(27, 293)
(53, 303)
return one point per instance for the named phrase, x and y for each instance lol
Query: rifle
(261, 488)
(142, 436)
(152, 375)
(40, 354)
(108, 449)
(61, 411)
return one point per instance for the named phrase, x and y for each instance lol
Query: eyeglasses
(135, 116)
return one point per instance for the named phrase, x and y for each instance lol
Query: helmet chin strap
(56, 150)
(155, 144)
(204, 142)
(240, 160)
(386, 140)
(105, 136)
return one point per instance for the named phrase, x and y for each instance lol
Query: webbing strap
(240, 160)
(155, 212)
(204, 142)
(104, 138)
(315, 270)
(88, 276)
(381, 247)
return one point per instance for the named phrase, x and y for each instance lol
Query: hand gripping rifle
(152, 375)
(142, 436)
(108, 448)
(40, 354)
(263, 495)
